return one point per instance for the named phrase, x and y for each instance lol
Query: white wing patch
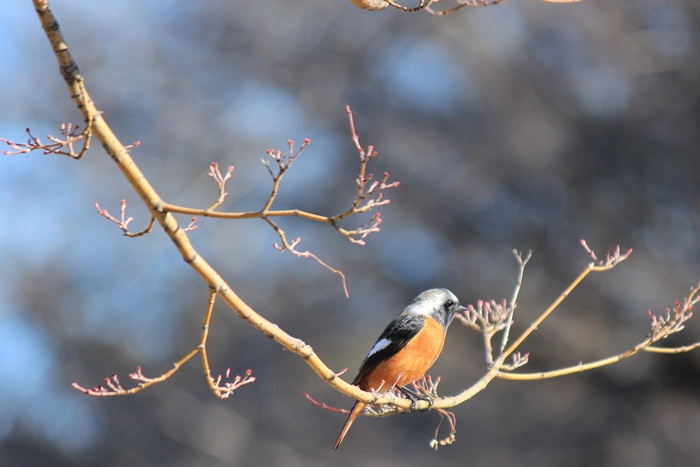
(381, 344)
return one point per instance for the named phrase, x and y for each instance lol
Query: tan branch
(220, 180)
(121, 157)
(162, 212)
(71, 136)
(123, 222)
(479, 3)
(661, 327)
(672, 350)
(113, 387)
(581, 367)
(522, 262)
(227, 389)
(167, 207)
(286, 245)
(610, 262)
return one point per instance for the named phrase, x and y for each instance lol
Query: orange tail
(356, 409)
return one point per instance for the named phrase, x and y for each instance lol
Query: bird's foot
(414, 398)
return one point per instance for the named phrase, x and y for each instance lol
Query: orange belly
(410, 363)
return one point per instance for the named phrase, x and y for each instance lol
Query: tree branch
(498, 317)
(113, 386)
(155, 204)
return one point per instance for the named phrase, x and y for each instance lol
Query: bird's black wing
(396, 335)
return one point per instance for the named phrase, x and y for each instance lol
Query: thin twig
(608, 263)
(514, 298)
(220, 180)
(123, 222)
(227, 389)
(113, 387)
(369, 196)
(71, 136)
(662, 326)
(479, 3)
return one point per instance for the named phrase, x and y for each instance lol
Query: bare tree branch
(487, 317)
(222, 386)
(71, 135)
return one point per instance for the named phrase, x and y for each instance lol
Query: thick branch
(155, 204)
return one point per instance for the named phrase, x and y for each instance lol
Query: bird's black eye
(449, 304)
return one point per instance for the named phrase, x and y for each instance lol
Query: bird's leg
(414, 397)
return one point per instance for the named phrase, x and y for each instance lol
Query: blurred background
(522, 126)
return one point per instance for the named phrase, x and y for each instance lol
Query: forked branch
(62, 146)
(369, 196)
(119, 153)
(222, 386)
(662, 326)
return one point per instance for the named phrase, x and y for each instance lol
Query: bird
(406, 349)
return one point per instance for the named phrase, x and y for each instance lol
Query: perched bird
(406, 349)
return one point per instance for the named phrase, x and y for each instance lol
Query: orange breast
(410, 363)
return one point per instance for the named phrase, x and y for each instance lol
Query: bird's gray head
(439, 304)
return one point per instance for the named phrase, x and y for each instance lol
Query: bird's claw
(427, 399)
